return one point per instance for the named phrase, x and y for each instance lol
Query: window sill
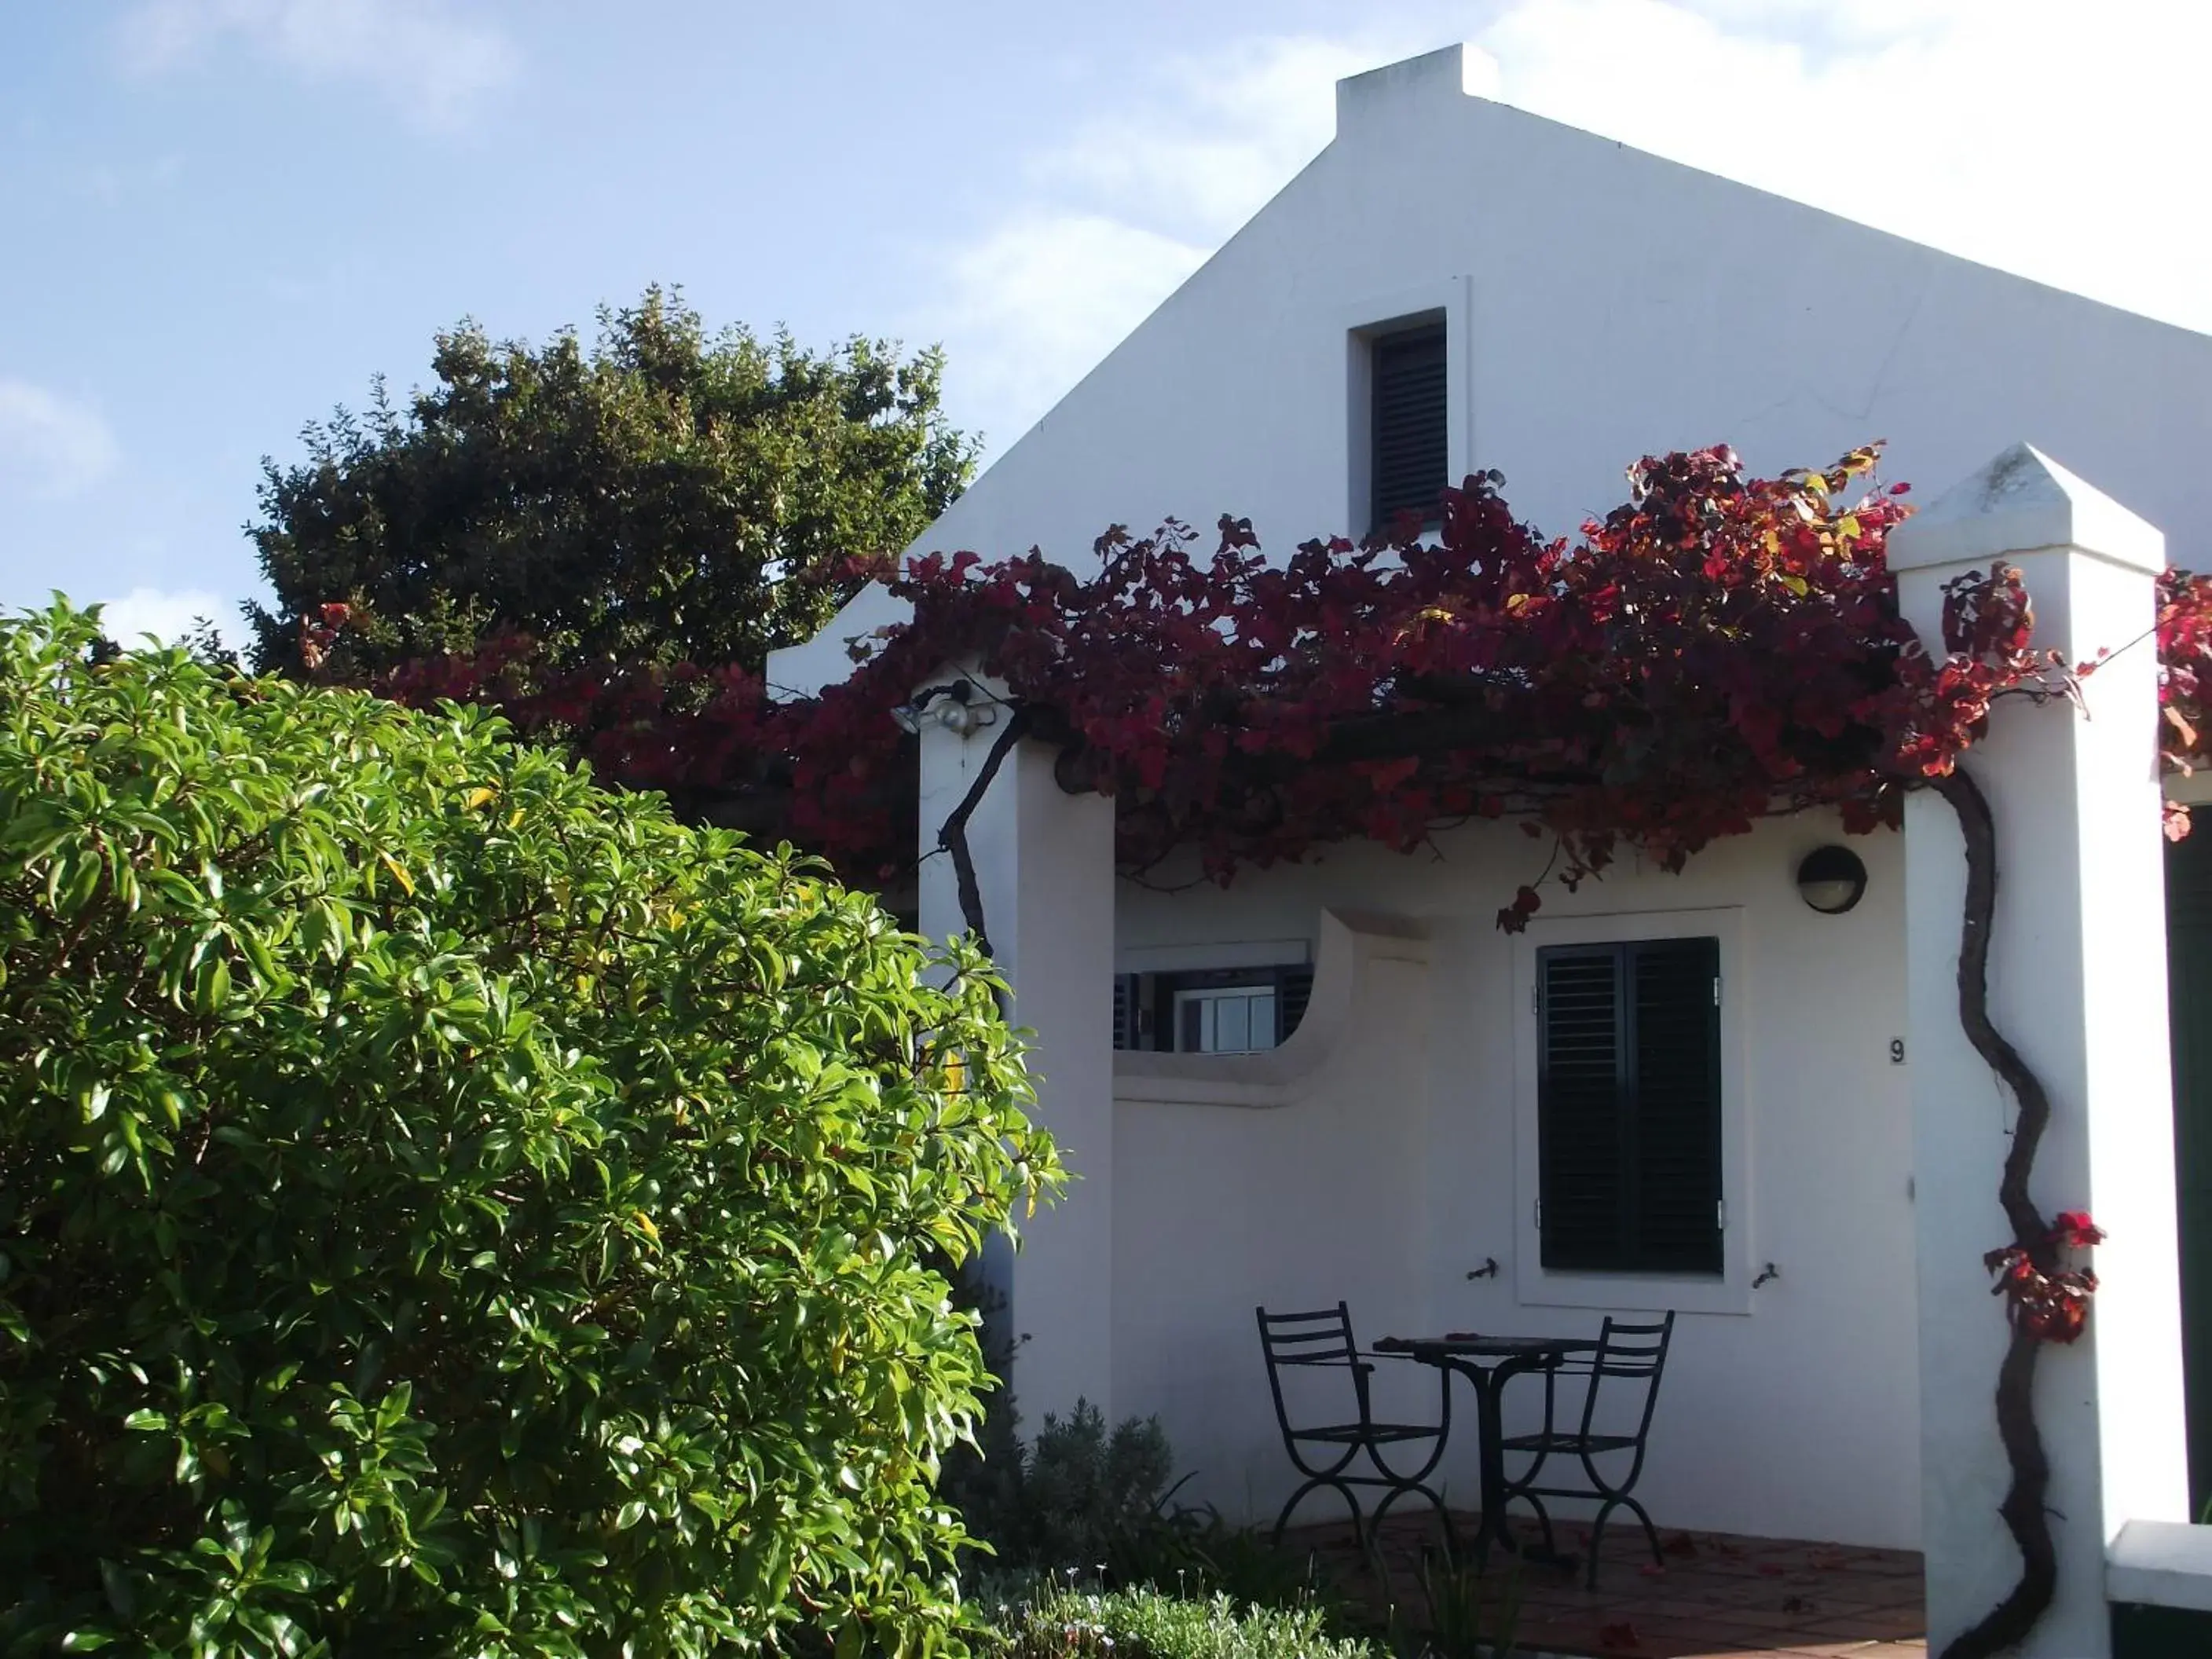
(1355, 948)
(1543, 1287)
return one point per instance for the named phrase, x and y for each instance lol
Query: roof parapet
(1432, 78)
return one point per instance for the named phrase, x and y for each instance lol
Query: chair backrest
(1634, 1352)
(1319, 1338)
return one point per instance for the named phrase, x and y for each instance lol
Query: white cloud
(433, 62)
(2043, 138)
(1043, 297)
(1210, 142)
(166, 614)
(2060, 142)
(1826, 23)
(49, 446)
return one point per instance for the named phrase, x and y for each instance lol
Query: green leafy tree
(447, 1208)
(664, 496)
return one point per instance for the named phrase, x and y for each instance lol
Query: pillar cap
(2020, 502)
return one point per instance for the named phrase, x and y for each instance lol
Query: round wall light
(1831, 880)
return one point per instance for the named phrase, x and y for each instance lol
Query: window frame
(1156, 993)
(1186, 999)
(1449, 301)
(1537, 1285)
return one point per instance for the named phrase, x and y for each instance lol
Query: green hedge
(1143, 1624)
(449, 1208)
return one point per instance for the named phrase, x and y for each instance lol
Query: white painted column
(2077, 981)
(1044, 863)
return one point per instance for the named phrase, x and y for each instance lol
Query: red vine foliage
(2051, 1302)
(1718, 649)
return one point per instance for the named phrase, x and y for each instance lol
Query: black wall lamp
(1831, 880)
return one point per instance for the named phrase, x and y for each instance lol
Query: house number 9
(1897, 1051)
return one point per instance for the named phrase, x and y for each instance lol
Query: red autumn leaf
(2074, 1229)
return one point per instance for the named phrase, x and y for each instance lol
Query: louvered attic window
(1628, 1100)
(1410, 457)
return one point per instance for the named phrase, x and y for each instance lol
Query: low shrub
(1146, 1624)
(1244, 1564)
(1464, 1611)
(1078, 1498)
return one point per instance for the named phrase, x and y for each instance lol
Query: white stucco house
(1583, 304)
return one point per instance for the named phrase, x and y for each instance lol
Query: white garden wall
(1404, 1160)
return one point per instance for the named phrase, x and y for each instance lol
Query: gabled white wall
(1606, 305)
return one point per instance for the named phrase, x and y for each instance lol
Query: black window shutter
(1675, 1123)
(1410, 457)
(1128, 1032)
(1581, 1081)
(1293, 990)
(1628, 1106)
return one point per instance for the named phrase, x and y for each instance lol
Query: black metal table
(1507, 1357)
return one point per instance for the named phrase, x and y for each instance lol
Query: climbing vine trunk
(952, 835)
(2024, 1508)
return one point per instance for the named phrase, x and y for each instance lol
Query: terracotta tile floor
(1719, 1596)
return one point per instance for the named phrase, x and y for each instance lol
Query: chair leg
(1543, 1519)
(1597, 1533)
(1351, 1503)
(1435, 1501)
(1650, 1532)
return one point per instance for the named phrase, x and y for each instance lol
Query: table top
(1469, 1345)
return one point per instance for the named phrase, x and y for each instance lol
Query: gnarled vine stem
(952, 835)
(2023, 1509)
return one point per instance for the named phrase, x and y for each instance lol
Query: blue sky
(222, 217)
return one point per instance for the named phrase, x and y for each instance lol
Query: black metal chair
(1324, 1339)
(1629, 1354)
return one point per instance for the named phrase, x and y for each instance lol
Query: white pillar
(1044, 864)
(2077, 981)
